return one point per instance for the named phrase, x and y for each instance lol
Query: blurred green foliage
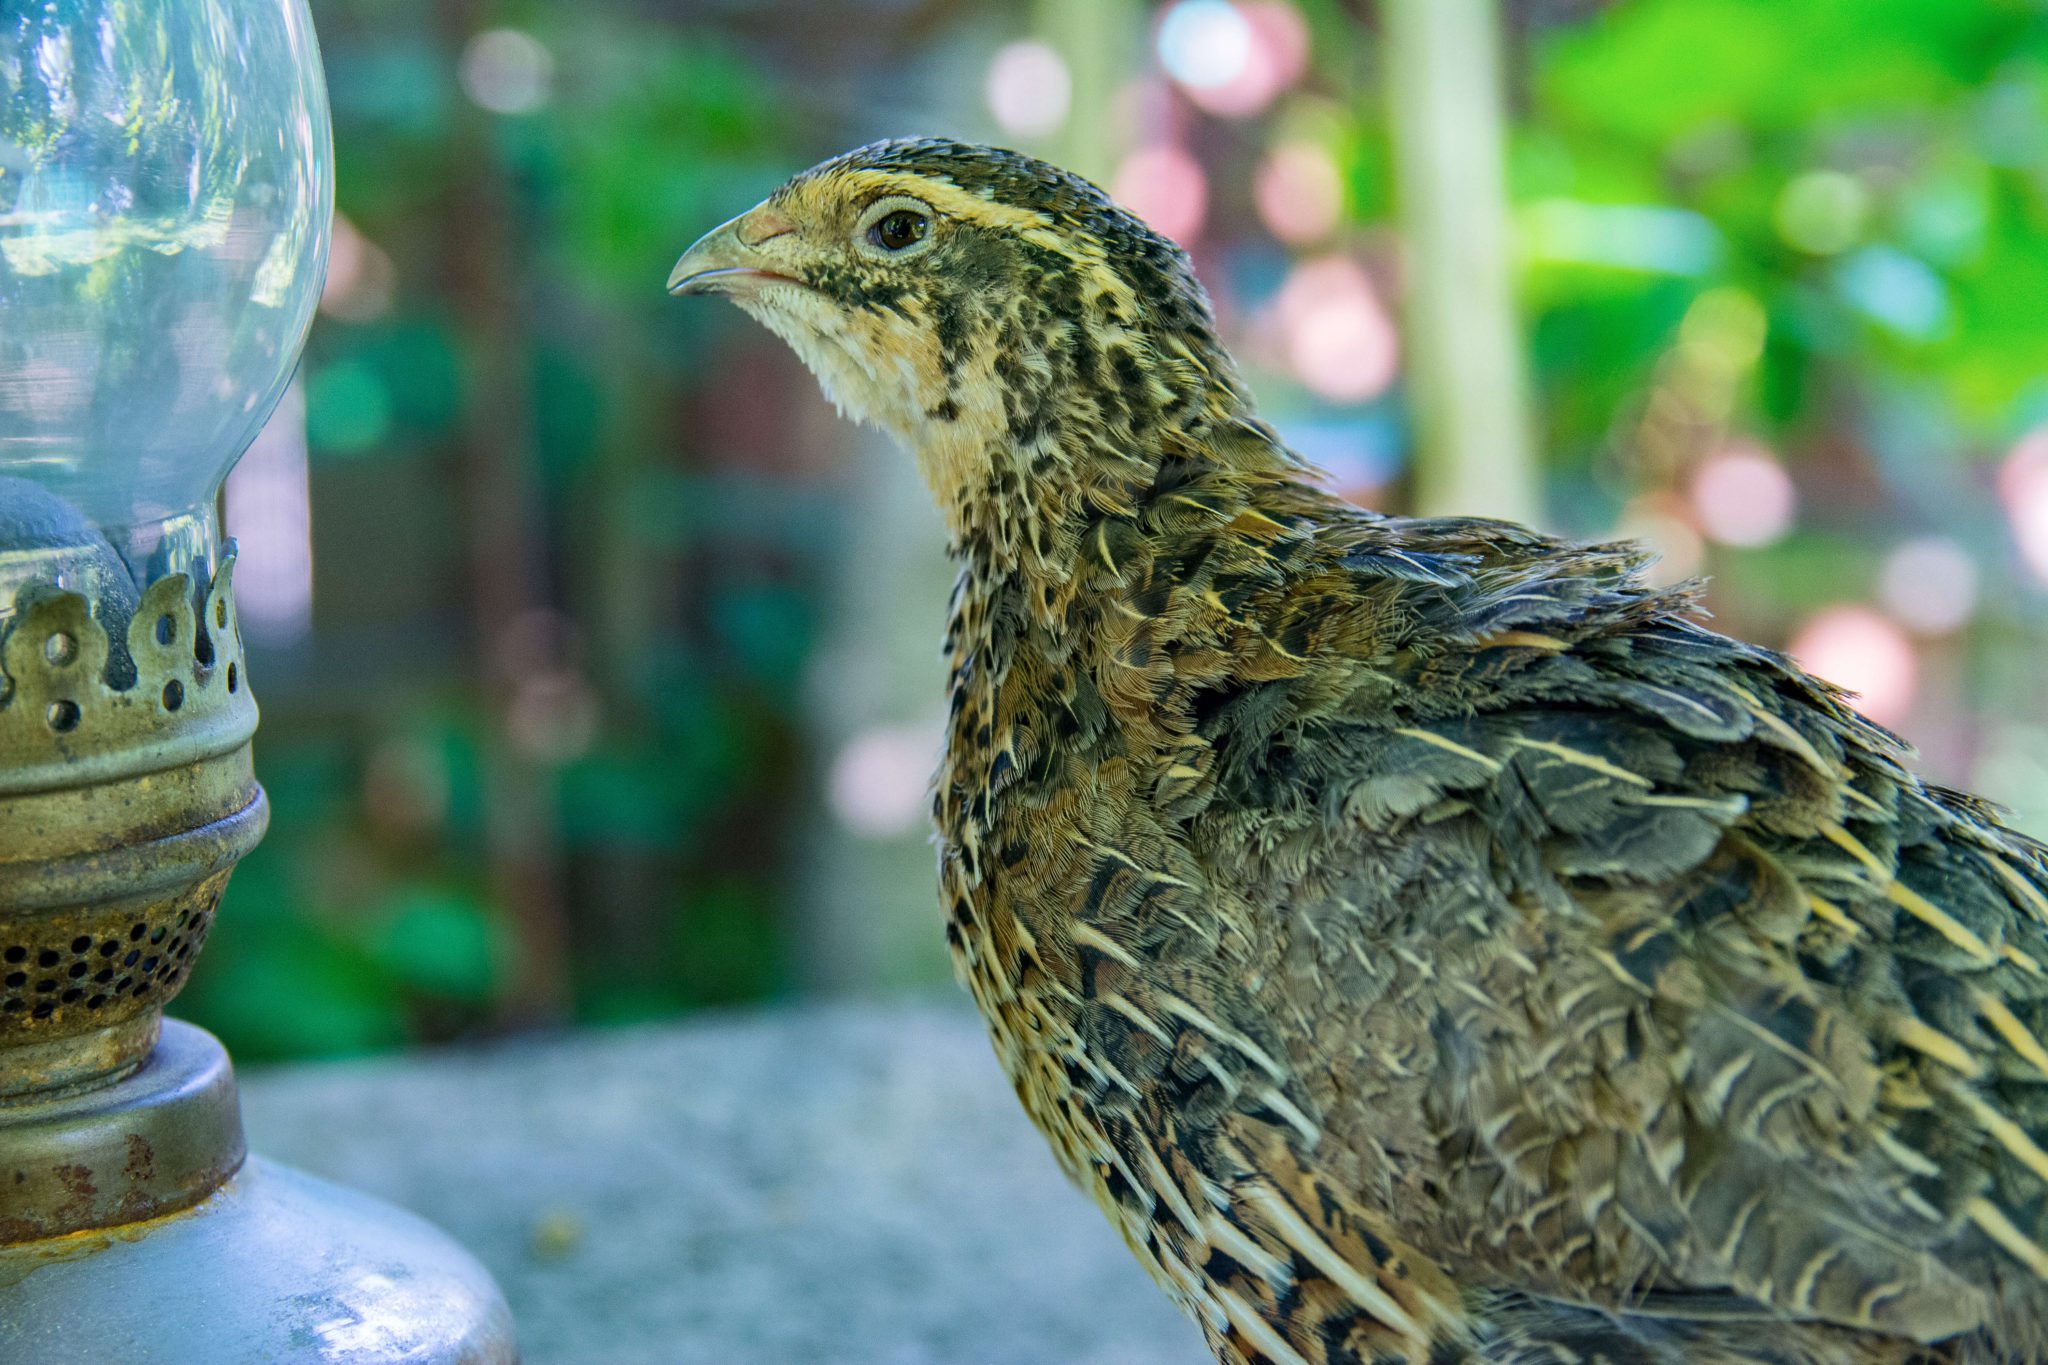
(377, 911)
(1873, 172)
(1848, 203)
(542, 756)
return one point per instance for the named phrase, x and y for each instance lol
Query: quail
(1423, 938)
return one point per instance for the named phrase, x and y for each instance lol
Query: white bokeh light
(507, 71)
(1930, 584)
(1029, 89)
(1864, 651)
(270, 512)
(1272, 55)
(880, 781)
(1205, 44)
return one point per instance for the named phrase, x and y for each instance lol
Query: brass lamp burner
(122, 811)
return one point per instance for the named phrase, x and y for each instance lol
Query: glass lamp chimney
(166, 186)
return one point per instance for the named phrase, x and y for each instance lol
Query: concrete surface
(846, 1184)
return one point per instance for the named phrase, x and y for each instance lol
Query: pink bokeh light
(361, 280)
(1275, 56)
(1862, 650)
(1166, 187)
(1743, 496)
(878, 784)
(1336, 333)
(2023, 486)
(1299, 192)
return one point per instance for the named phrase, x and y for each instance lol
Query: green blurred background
(598, 660)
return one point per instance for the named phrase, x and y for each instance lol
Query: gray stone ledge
(835, 1184)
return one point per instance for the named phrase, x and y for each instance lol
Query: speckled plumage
(1425, 941)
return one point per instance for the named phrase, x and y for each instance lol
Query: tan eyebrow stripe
(945, 198)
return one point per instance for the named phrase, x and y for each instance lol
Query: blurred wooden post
(868, 915)
(1098, 40)
(522, 838)
(1465, 376)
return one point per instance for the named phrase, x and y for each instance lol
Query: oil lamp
(165, 195)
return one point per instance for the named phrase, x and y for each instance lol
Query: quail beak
(729, 260)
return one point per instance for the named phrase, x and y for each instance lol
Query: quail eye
(903, 228)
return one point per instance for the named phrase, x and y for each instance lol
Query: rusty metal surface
(70, 1062)
(141, 867)
(158, 1140)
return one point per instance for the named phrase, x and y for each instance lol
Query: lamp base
(267, 1264)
